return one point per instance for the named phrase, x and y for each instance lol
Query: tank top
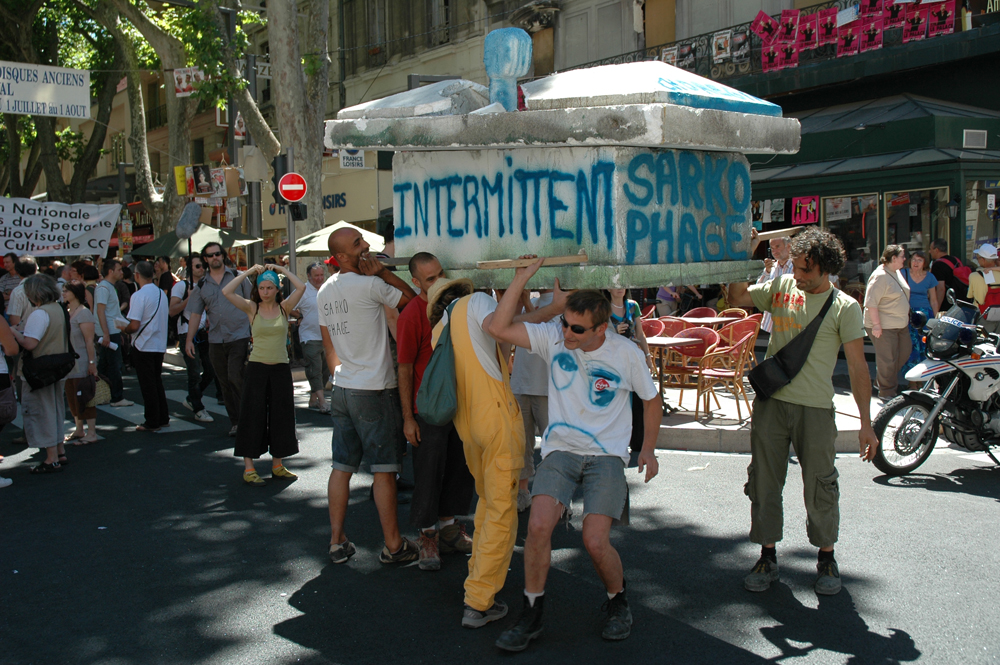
(269, 339)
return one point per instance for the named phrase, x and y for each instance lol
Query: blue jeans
(109, 364)
(366, 423)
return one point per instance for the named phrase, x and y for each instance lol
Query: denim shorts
(366, 424)
(602, 477)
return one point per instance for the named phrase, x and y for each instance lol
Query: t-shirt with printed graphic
(792, 309)
(590, 402)
(350, 306)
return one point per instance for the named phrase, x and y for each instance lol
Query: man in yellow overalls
(488, 420)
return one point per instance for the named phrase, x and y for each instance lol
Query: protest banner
(56, 229)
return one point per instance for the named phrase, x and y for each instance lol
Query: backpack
(437, 398)
(172, 336)
(960, 271)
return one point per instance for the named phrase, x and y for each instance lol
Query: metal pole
(255, 252)
(291, 223)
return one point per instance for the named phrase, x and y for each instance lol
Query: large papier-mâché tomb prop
(641, 165)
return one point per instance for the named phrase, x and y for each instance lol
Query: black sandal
(47, 468)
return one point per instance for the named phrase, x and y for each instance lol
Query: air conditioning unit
(974, 139)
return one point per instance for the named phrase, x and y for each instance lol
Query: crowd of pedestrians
(572, 368)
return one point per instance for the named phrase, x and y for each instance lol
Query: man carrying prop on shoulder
(592, 376)
(801, 413)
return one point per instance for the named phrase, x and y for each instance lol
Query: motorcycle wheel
(896, 427)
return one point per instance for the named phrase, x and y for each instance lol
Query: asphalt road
(148, 549)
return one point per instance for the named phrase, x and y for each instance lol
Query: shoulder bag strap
(793, 355)
(141, 330)
(69, 345)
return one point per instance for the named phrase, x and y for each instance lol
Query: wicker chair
(684, 372)
(734, 311)
(726, 366)
(699, 312)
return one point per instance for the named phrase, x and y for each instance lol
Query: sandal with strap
(46, 468)
(63, 461)
(251, 478)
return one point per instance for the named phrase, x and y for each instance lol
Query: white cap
(987, 251)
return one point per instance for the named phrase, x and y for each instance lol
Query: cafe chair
(684, 372)
(699, 312)
(734, 311)
(727, 367)
(652, 327)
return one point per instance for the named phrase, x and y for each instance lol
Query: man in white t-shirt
(311, 339)
(108, 310)
(148, 325)
(367, 419)
(199, 369)
(592, 374)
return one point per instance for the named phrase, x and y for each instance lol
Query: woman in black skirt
(267, 408)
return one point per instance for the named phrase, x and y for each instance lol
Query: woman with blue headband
(267, 407)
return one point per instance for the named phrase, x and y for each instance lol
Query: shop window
(854, 219)
(914, 219)
(982, 223)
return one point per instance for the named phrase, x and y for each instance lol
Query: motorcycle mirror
(949, 296)
(919, 319)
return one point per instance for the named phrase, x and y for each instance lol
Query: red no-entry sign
(292, 187)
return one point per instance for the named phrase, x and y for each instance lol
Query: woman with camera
(267, 411)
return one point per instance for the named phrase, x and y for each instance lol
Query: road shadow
(983, 481)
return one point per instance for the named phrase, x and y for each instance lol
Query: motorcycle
(960, 398)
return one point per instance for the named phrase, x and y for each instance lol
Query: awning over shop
(895, 160)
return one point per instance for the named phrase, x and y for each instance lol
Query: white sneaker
(123, 402)
(5, 482)
(187, 405)
(203, 417)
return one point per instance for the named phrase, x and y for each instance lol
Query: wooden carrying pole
(506, 264)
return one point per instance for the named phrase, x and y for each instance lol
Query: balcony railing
(156, 117)
(702, 63)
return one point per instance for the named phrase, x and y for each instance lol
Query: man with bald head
(367, 420)
(778, 263)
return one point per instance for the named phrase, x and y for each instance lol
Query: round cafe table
(710, 321)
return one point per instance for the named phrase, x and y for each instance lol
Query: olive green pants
(811, 432)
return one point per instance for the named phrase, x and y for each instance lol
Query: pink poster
(764, 27)
(870, 9)
(847, 39)
(893, 14)
(789, 27)
(827, 26)
(805, 210)
(808, 29)
(871, 34)
(789, 55)
(916, 23)
(770, 58)
(941, 18)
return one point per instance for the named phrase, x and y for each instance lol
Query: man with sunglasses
(591, 378)
(228, 327)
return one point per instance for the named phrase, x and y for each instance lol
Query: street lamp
(953, 206)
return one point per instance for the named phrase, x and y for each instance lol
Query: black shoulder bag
(776, 372)
(43, 371)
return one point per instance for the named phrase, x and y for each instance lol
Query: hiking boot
(454, 539)
(827, 578)
(527, 628)
(475, 619)
(406, 553)
(429, 557)
(619, 623)
(342, 552)
(523, 500)
(764, 572)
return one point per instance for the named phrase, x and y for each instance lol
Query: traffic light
(280, 166)
(298, 211)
